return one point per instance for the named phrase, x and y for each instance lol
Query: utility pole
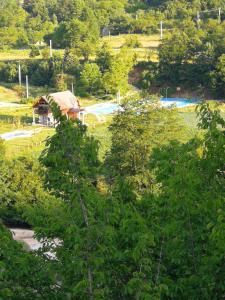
(161, 30)
(27, 87)
(72, 88)
(19, 74)
(219, 15)
(50, 45)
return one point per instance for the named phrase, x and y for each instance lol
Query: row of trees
(191, 57)
(156, 229)
(108, 74)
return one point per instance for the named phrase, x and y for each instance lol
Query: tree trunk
(90, 276)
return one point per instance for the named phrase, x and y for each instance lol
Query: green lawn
(148, 42)
(8, 95)
(17, 54)
(31, 146)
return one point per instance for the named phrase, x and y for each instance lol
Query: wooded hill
(191, 54)
(38, 19)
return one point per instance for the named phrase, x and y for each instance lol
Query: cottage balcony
(41, 110)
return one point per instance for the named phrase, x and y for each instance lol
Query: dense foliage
(67, 20)
(147, 222)
(191, 53)
(156, 231)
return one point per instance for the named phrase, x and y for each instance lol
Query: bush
(41, 72)
(11, 72)
(2, 71)
(63, 82)
(45, 53)
(20, 90)
(34, 51)
(133, 42)
(29, 100)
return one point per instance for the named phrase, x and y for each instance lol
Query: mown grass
(14, 54)
(147, 42)
(31, 147)
(8, 95)
(148, 48)
(21, 54)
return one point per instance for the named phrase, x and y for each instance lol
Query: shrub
(34, 51)
(11, 72)
(45, 53)
(63, 82)
(42, 72)
(133, 42)
(2, 71)
(29, 100)
(19, 89)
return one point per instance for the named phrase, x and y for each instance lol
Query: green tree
(116, 79)
(189, 202)
(137, 128)
(20, 186)
(23, 274)
(104, 58)
(91, 78)
(83, 36)
(71, 161)
(34, 52)
(218, 76)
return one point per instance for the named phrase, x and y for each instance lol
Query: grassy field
(33, 146)
(8, 95)
(148, 43)
(30, 147)
(14, 54)
(148, 48)
(20, 54)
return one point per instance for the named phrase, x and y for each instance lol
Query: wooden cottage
(67, 102)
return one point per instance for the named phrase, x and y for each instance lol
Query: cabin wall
(73, 116)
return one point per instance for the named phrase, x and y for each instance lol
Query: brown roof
(65, 100)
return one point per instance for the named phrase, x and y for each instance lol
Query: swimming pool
(102, 108)
(109, 108)
(178, 102)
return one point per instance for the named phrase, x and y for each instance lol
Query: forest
(129, 209)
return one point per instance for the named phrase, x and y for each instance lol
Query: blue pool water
(102, 109)
(109, 108)
(178, 102)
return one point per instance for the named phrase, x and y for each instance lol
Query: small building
(69, 105)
